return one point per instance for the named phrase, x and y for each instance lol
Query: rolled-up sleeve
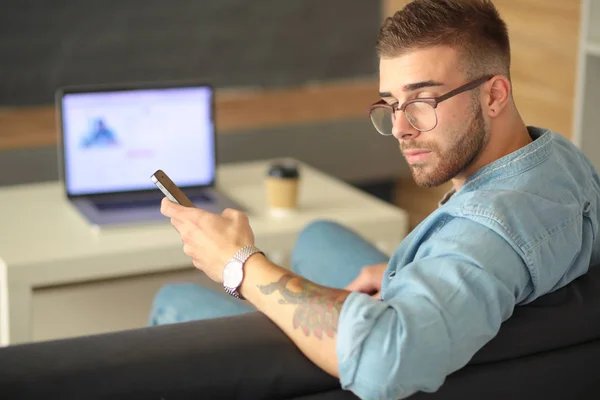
(437, 312)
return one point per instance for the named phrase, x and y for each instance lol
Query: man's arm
(308, 313)
(437, 311)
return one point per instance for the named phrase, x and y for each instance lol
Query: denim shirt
(520, 227)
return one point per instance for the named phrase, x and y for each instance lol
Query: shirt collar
(509, 165)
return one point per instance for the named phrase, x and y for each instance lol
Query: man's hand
(306, 312)
(369, 280)
(209, 239)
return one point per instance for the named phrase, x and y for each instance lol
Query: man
(521, 221)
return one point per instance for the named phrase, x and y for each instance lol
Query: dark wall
(230, 43)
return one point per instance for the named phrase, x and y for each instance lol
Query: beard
(462, 151)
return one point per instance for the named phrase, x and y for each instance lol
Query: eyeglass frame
(432, 101)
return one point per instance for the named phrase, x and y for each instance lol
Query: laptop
(113, 138)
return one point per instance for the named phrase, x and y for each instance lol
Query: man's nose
(401, 128)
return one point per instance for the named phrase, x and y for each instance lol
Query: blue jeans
(325, 253)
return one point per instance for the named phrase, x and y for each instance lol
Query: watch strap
(245, 252)
(242, 256)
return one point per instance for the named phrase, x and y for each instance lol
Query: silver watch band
(233, 292)
(242, 256)
(245, 252)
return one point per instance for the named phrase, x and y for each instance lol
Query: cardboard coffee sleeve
(282, 184)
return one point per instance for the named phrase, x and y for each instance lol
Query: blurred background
(294, 78)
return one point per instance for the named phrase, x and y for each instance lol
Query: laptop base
(125, 209)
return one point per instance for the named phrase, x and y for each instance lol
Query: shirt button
(392, 275)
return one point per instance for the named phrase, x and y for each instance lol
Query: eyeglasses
(420, 113)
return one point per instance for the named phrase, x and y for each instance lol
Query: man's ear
(499, 93)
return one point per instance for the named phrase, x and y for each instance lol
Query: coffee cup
(282, 184)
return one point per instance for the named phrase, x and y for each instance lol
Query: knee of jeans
(316, 232)
(169, 292)
(165, 306)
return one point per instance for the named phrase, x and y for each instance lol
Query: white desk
(60, 278)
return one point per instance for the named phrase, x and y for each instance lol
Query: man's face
(441, 154)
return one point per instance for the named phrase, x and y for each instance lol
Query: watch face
(233, 274)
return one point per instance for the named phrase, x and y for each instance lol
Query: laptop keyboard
(144, 203)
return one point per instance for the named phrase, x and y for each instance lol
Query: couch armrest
(567, 317)
(245, 356)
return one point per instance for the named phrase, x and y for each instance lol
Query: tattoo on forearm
(318, 307)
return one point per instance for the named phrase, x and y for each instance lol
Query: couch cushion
(566, 317)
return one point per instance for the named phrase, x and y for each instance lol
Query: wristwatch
(233, 274)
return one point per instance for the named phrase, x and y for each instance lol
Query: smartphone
(170, 189)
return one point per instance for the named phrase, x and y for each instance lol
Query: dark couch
(549, 349)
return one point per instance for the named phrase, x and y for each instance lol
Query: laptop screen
(113, 141)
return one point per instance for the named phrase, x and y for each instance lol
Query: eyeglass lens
(420, 115)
